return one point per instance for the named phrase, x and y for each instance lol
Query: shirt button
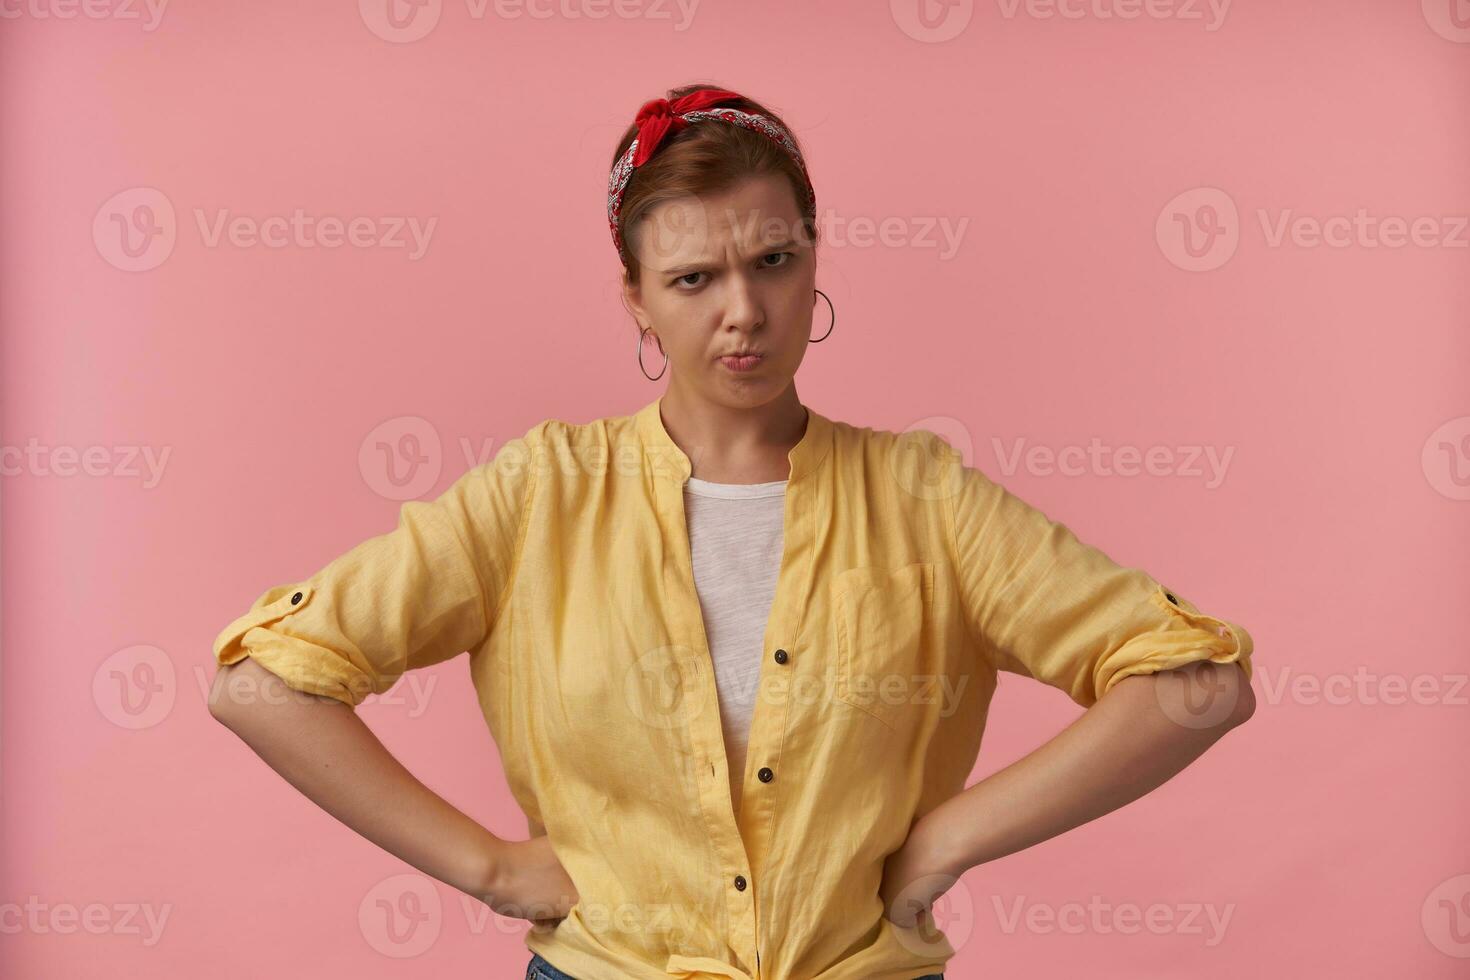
(296, 598)
(781, 656)
(740, 883)
(765, 774)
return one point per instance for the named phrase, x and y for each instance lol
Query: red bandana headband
(661, 117)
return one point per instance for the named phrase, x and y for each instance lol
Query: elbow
(1243, 697)
(220, 700)
(1223, 692)
(1205, 697)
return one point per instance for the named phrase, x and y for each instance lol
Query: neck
(735, 444)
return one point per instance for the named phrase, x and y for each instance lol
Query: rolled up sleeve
(1044, 604)
(417, 595)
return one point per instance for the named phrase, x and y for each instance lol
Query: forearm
(321, 747)
(1121, 748)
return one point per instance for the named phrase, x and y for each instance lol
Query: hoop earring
(650, 377)
(834, 319)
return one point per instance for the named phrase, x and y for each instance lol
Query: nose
(744, 308)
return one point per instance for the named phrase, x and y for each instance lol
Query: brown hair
(704, 159)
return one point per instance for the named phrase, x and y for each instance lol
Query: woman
(737, 656)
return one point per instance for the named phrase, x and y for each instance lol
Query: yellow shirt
(907, 580)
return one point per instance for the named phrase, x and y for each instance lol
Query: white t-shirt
(735, 537)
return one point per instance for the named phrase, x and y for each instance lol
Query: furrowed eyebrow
(697, 266)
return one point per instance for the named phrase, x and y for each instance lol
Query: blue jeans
(539, 969)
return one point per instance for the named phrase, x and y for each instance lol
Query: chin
(751, 392)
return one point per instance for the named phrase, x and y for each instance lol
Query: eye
(684, 284)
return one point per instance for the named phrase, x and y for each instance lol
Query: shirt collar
(667, 460)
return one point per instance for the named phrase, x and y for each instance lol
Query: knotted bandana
(657, 119)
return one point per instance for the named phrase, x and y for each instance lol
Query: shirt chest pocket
(879, 615)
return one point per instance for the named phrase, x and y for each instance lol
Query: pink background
(1331, 830)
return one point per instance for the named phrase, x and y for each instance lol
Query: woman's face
(722, 274)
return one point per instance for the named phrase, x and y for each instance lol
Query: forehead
(755, 213)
